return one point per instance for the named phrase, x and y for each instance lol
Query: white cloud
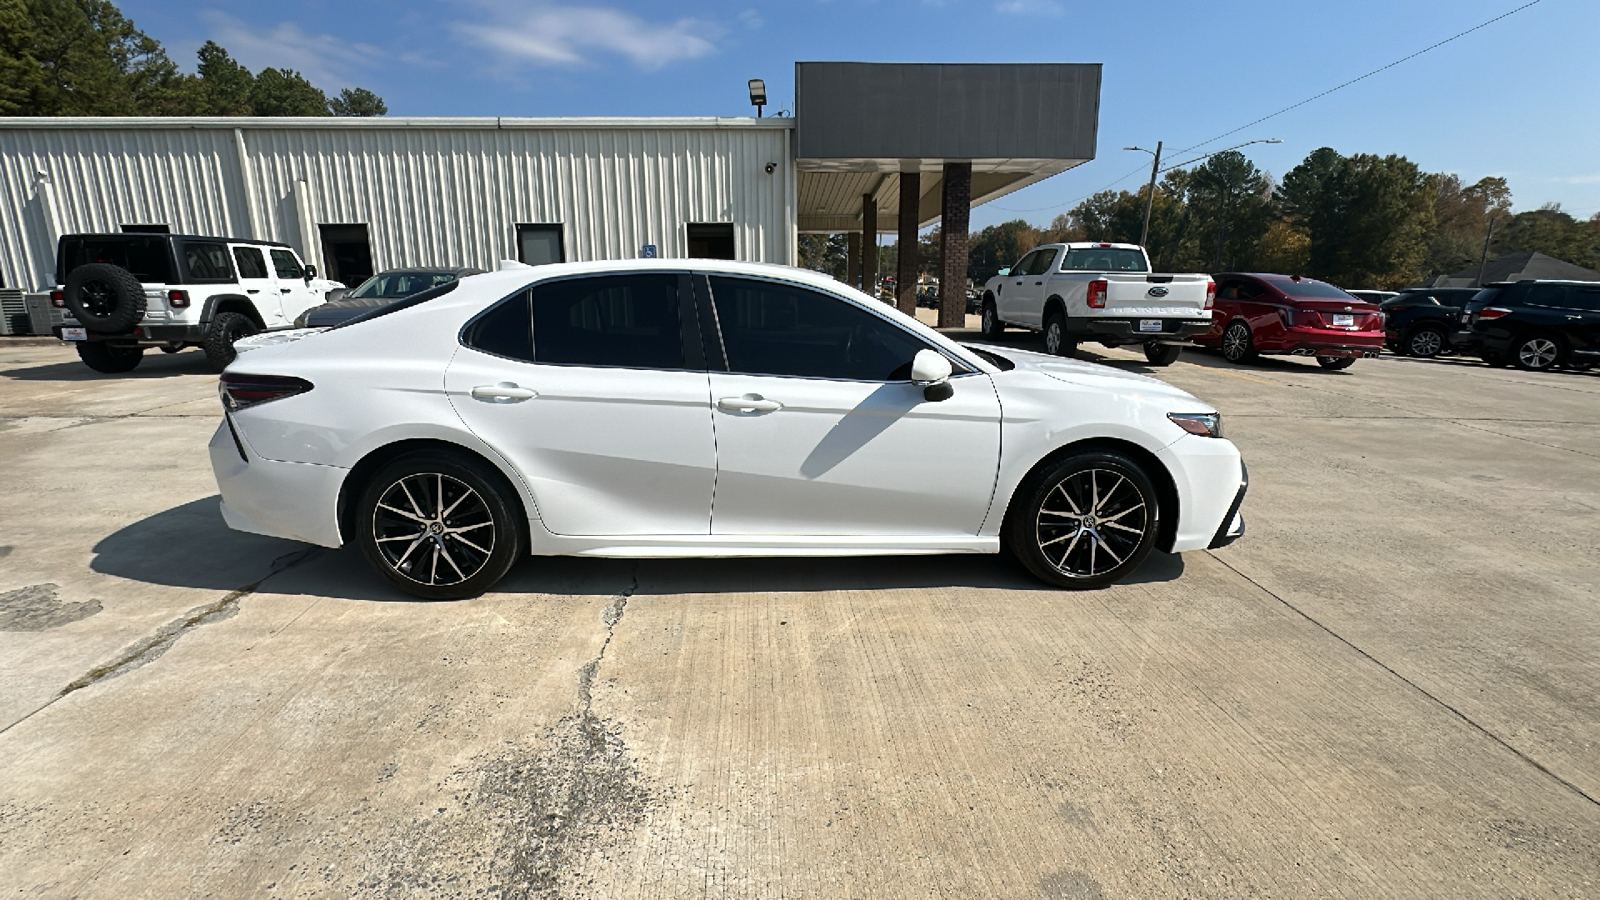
(751, 18)
(1030, 7)
(328, 62)
(553, 35)
(1578, 179)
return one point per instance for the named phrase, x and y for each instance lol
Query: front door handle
(504, 392)
(749, 403)
(284, 290)
(252, 290)
(1036, 283)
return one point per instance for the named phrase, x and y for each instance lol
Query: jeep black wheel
(1084, 521)
(226, 328)
(109, 359)
(1160, 354)
(105, 298)
(439, 526)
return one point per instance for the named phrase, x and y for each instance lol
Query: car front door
(256, 280)
(1031, 293)
(819, 429)
(1012, 300)
(294, 292)
(594, 391)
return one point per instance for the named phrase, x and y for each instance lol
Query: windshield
(1314, 290)
(398, 305)
(1104, 259)
(387, 285)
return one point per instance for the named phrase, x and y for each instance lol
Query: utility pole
(1484, 259)
(1150, 199)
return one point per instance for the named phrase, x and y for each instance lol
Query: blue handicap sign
(648, 251)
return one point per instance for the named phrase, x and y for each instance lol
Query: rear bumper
(144, 335)
(297, 501)
(1321, 342)
(1172, 329)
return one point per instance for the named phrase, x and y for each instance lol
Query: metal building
(360, 195)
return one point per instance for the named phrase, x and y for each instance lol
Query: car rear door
(596, 393)
(1583, 318)
(819, 430)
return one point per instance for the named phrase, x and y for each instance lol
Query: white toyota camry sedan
(704, 408)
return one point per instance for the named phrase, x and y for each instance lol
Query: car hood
(1096, 376)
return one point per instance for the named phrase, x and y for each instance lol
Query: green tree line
(85, 58)
(1360, 221)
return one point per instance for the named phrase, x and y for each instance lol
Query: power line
(1280, 112)
(1364, 77)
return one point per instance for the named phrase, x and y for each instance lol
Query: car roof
(458, 271)
(162, 234)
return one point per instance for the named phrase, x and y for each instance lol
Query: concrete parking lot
(1389, 687)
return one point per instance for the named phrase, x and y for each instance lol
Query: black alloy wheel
(1536, 353)
(439, 526)
(1160, 354)
(105, 298)
(1238, 346)
(1336, 362)
(1084, 521)
(1426, 342)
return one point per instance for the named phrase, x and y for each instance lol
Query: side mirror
(1005, 270)
(311, 271)
(931, 372)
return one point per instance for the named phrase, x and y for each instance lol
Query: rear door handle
(284, 290)
(504, 392)
(749, 403)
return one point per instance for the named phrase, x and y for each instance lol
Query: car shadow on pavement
(190, 546)
(154, 365)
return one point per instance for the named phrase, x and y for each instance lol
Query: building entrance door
(347, 252)
(711, 241)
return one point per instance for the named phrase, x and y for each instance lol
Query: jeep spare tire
(105, 298)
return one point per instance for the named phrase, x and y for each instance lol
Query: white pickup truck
(1098, 292)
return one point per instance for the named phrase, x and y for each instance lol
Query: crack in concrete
(152, 648)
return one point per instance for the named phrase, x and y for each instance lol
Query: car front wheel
(1237, 344)
(1084, 521)
(439, 526)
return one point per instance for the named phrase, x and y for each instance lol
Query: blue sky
(1517, 99)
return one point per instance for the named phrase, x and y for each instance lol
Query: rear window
(1485, 297)
(1408, 300)
(1311, 290)
(148, 258)
(1104, 259)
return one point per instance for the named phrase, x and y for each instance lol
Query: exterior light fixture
(758, 94)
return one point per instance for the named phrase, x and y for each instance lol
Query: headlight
(1203, 424)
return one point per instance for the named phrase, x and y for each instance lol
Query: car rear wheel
(1536, 353)
(992, 326)
(1426, 342)
(439, 526)
(1084, 521)
(1336, 362)
(109, 359)
(1055, 335)
(1238, 346)
(1160, 354)
(226, 328)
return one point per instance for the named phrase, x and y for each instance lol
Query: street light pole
(1150, 196)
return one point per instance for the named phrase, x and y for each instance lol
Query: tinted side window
(628, 321)
(284, 263)
(505, 330)
(1025, 263)
(251, 265)
(780, 329)
(1250, 290)
(1546, 295)
(1041, 265)
(1587, 298)
(206, 262)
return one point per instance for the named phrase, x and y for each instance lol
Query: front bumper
(1232, 527)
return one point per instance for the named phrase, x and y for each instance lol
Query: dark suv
(1534, 325)
(1418, 321)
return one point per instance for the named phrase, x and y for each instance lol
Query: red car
(1286, 314)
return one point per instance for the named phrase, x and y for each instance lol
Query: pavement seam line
(1409, 683)
(153, 647)
(611, 616)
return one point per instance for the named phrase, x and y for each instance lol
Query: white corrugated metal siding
(431, 192)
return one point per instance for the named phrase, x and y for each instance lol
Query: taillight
(1286, 317)
(1211, 294)
(1490, 313)
(1309, 318)
(58, 299)
(178, 299)
(240, 391)
(1097, 294)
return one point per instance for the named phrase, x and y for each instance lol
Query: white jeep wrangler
(127, 292)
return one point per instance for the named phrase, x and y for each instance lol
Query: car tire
(226, 328)
(1066, 502)
(422, 523)
(1426, 342)
(1238, 344)
(1536, 353)
(109, 359)
(1336, 363)
(1056, 342)
(105, 298)
(993, 328)
(1160, 354)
